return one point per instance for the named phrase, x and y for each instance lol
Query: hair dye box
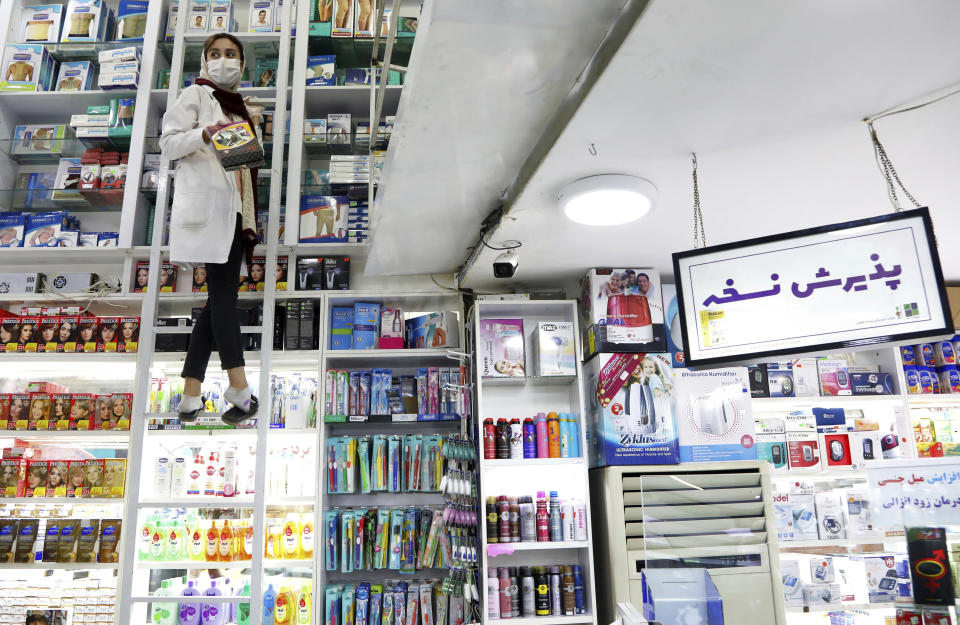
(714, 415)
(630, 410)
(41, 23)
(27, 67)
(621, 310)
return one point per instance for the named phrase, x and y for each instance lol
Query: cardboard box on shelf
(621, 310)
(27, 67)
(41, 23)
(714, 415)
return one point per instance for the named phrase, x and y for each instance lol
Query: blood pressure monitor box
(830, 521)
(714, 416)
(621, 310)
(630, 410)
(41, 23)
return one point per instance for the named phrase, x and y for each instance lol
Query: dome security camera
(505, 265)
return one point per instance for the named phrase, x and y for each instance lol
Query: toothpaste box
(834, 377)
(75, 76)
(27, 67)
(41, 23)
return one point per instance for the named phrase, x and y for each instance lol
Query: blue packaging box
(830, 417)
(780, 379)
(366, 320)
(12, 226)
(131, 20)
(43, 229)
(872, 383)
(341, 328)
(27, 67)
(321, 70)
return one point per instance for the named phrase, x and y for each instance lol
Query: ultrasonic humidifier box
(621, 310)
(714, 417)
(773, 449)
(671, 322)
(556, 348)
(830, 521)
(86, 20)
(780, 379)
(803, 451)
(630, 410)
(41, 23)
(501, 349)
(806, 378)
(834, 377)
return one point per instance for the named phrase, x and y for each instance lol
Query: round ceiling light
(607, 200)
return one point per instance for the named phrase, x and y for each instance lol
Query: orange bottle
(247, 549)
(553, 435)
(227, 546)
(213, 542)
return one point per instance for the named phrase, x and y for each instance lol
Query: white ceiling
(769, 95)
(484, 78)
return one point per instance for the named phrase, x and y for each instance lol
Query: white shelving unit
(523, 398)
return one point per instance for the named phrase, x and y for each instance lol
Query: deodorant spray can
(529, 439)
(516, 439)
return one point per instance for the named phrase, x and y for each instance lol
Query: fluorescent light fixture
(607, 200)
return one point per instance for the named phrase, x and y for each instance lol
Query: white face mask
(224, 72)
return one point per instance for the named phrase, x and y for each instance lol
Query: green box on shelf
(319, 29)
(334, 418)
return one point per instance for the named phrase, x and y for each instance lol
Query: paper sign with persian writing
(923, 495)
(842, 285)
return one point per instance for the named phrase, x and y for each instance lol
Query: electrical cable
(907, 109)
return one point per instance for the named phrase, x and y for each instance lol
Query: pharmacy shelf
(353, 99)
(761, 404)
(389, 357)
(67, 566)
(58, 105)
(197, 502)
(934, 401)
(66, 299)
(35, 256)
(840, 544)
(789, 476)
(189, 600)
(546, 620)
(273, 501)
(229, 432)
(193, 564)
(547, 380)
(287, 564)
(842, 607)
(82, 436)
(59, 501)
(530, 462)
(75, 361)
(504, 549)
(280, 359)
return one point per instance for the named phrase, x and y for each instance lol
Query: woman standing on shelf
(213, 219)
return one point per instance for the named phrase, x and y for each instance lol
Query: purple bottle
(529, 439)
(190, 612)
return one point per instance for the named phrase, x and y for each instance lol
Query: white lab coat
(206, 200)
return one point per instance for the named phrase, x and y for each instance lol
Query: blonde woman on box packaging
(213, 219)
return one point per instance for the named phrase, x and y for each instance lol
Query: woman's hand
(209, 131)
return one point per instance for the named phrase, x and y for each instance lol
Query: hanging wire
(699, 236)
(889, 172)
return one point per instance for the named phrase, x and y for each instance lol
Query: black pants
(218, 321)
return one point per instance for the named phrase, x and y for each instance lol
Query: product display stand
(524, 397)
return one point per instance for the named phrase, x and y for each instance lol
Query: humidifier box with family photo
(621, 310)
(630, 409)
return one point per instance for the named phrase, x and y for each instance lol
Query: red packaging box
(107, 334)
(100, 412)
(141, 277)
(933, 617)
(129, 335)
(29, 332)
(5, 424)
(67, 334)
(803, 451)
(39, 411)
(907, 616)
(81, 411)
(87, 328)
(835, 449)
(75, 475)
(58, 472)
(92, 478)
(19, 410)
(13, 476)
(36, 479)
(60, 412)
(47, 336)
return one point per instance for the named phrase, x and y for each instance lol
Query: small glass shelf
(358, 52)
(87, 50)
(39, 200)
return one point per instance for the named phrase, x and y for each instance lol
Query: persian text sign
(925, 495)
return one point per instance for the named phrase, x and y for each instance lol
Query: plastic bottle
(210, 475)
(165, 613)
(493, 594)
(157, 541)
(284, 612)
(307, 537)
(190, 612)
(543, 518)
(196, 545)
(556, 523)
(195, 476)
(248, 541)
(178, 477)
(290, 540)
(528, 520)
(225, 550)
(146, 537)
(269, 604)
(214, 613)
(229, 470)
(528, 606)
(243, 609)
(213, 542)
(540, 425)
(553, 435)
(304, 613)
(174, 541)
